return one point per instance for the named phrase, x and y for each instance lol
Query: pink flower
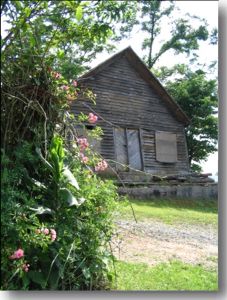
(65, 87)
(101, 166)
(46, 231)
(74, 83)
(25, 267)
(92, 118)
(17, 254)
(85, 159)
(53, 234)
(52, 231)
(83, 143)
(56, 75)
(53, 237)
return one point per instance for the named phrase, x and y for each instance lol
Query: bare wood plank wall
(127, 101)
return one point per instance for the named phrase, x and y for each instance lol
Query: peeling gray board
(120, 147)
(134, 151)
(166, 147)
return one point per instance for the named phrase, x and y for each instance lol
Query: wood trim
(186, 147)
(114, 140)
(126, 138)
(141, 148)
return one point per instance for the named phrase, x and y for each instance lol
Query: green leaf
(70, 177)
(27, 11)
(56, 163)
(39, 184)
(26, 281)
(81, 200)
(53, 280)
(68, 196)
(37, 277)
(41, 210)
(38, 151)
(18, 5)
(79, 13)
(86, 272)
(57, 155)
(32, 41)
(60, 53)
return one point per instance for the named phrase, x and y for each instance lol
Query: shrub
(56, 212)
(59, 216)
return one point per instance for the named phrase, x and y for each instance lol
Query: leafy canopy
(184, 38)
(68, 33)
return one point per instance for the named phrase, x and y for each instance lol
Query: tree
(68, 33)
(184, 38)
(57, 213)
(61, 35)
(198, 98)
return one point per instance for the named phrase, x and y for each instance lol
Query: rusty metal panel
(120, 147)
(166, 147)
(134, 149)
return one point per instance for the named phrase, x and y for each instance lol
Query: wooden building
(144, 128)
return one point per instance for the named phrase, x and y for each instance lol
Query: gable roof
(147, 75)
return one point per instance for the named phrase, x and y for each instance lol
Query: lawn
(172, 211)
(172, 276)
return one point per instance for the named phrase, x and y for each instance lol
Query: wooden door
(127, 148)
(120, 148)
(134, 149)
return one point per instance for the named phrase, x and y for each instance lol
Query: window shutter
(166, 147)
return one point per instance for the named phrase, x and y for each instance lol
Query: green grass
(173, 276)
(172, 211)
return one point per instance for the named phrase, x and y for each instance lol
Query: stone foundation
(209, 191)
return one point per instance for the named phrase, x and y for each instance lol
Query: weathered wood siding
(125, 100)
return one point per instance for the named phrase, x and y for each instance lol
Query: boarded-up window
(166, 147)
(127, 148)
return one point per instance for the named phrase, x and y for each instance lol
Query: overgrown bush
(56, 211)
(56, 224)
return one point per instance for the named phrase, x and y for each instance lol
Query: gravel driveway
(153, 242)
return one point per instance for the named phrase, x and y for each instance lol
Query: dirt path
(153, 242)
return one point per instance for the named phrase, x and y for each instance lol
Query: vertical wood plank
(134, 152)
(120, 148)
(124, 105)
(141, 148)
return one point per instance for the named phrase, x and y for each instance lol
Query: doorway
(127, 149)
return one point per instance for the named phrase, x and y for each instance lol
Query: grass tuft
(172, 276)
(172, 211)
